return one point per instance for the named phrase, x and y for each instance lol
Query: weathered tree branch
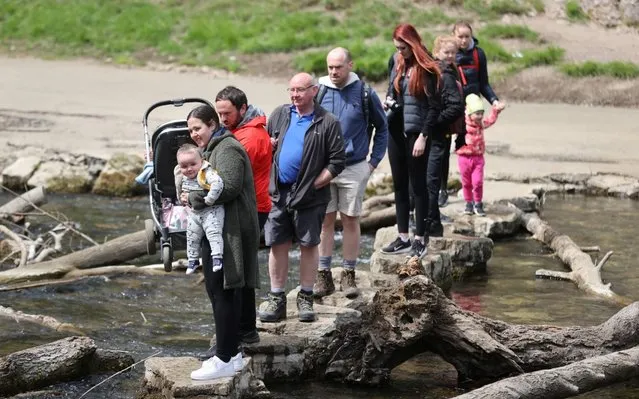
(584, 273)
(566, 381)
(24, 203)
(13, 236)
(46, 321)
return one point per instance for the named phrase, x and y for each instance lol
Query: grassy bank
(219, 32)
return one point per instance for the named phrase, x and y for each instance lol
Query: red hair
(423, 62)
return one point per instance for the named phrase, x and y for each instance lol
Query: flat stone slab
(170, 377)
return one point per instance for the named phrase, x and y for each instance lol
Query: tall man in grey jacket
(357, 107)
(309, 154)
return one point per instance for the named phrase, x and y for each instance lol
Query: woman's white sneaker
(214, 368)
(238, 363)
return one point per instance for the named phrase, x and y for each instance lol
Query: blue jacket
(346, 105)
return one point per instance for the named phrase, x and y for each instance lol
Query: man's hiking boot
(347, 284)
(324, 285)
(275, 308)
(305, 306)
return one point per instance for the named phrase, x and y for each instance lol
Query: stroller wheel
(167, 258)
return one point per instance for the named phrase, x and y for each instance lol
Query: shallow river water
(171, 314)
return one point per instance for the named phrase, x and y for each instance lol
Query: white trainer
(214, 368)
(238, 363)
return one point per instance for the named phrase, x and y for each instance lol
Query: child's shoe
(217, 264)
(469, 208)
(192, 266)
(479, 209)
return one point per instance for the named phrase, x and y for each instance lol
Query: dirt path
(84, 107)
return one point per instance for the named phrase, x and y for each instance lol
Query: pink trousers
(471, 168)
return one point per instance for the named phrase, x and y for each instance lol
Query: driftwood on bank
(46, 321)
(584, 273)
(564, 382)
(112, 252)
(63, 360)
(24, 203)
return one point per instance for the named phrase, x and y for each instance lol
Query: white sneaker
(213, 368)
(238, 363)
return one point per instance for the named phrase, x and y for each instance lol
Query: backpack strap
(474, 65)
(320, 94)
(366, 108)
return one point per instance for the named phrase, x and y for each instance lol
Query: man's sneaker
(192, 266)
(305, 306)
(398, 246)
(479, 209)
(324, 285)
(274, 308)
(238, 363)
(347, 284)
(213, 368)
(469, 208)
(418, 249)
(442, 201)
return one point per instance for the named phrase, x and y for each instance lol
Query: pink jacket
(475, 144)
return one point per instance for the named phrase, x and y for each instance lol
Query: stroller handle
(176, 103)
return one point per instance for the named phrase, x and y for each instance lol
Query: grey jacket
(323, 148)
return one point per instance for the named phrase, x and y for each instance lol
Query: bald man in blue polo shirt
(309, 154)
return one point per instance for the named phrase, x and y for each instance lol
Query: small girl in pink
(470, 157)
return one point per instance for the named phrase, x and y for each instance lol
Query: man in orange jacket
(248, 125)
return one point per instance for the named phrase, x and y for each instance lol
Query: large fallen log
(118, 250)
(566, 381)
(24, 203)
(63, 360)
(584, 273)
(416, 316)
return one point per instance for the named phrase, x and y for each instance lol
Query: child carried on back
(470, 157)
(198, 175)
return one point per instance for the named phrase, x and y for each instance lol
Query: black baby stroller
(168, 221)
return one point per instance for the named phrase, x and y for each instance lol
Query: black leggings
(436, 155)
(226, 307)
(228, 304)
(408, 169)
(446, 162)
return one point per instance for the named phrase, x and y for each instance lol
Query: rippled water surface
(170, 313)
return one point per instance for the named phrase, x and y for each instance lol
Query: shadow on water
(171, 313)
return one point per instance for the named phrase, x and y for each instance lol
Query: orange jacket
(257, 143)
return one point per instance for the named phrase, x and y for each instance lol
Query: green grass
(616, 69)
(547, 56)
(499, 31)
(574, 12)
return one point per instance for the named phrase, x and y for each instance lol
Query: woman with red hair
(414, 84)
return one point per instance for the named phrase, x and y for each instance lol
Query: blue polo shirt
(290, 158)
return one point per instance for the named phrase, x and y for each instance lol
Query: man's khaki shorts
(348, 188)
